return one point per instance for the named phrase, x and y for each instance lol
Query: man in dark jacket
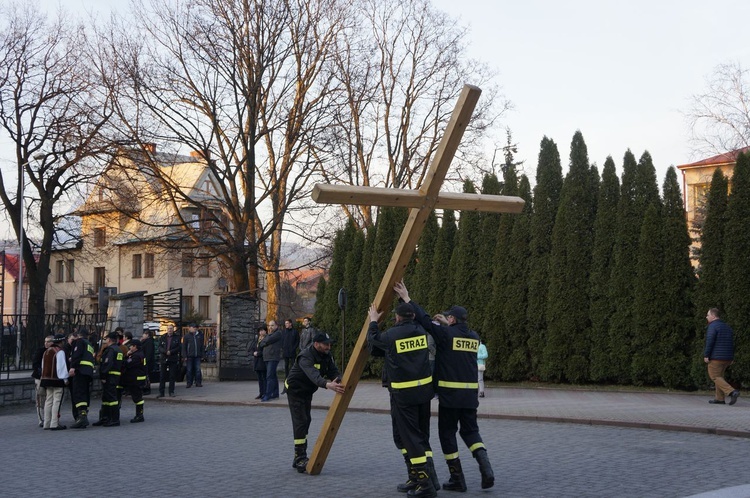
(457, 387)
(407, 370)
(81, 373)
(718, 355)
(271, 346)
(169, 360)
(149, 354)
(192, 353)
(289, 344)
(109, 373)
(313, 366)
(133, 374)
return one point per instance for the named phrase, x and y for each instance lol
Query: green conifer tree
(605, 229)
(566, 351)
(364, 277)
(441, 293)
(420, 289)
(737, 267)
(464, 264)
(390, 224)
(330, 317)
(354, 313)
(546, 200)
(486, 243)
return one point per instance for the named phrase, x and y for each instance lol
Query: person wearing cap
(313, 368)
(456, 374)
(81, 373)
(407, 370)
(169, 360)
(53, 379)
(133, 375)
(109, 374)
(192, 352)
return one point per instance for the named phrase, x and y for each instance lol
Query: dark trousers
(288, 364)
(424, 427)
(109, 396)
(299, 407)
(80, 393)
(448, 422)
(136, 394)
(410, 421)
(272, 379)
(172, 373)
(261, 381)
(193, 371)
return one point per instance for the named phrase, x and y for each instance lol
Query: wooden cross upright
(421, 202)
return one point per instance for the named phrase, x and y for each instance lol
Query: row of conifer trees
(592, 283)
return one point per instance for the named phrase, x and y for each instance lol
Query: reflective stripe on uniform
(413, 383)
(476, 446)
(300, 441)
(451, 456)
(113, 373)
(86, 363)
(418, 460)
(141, 377)
(82, 404)
(140, 402)
(458, 385)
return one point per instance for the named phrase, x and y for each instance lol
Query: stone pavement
(664, 411)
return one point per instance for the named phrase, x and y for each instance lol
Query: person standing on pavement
(53, 379)
(307, 334)
(256, 355)
(456, 374)
(149, 354)
(109, 373)
(36, 373)
(407, 369)
(192, 352)
(481, 358)
(133, 373)
(271, 345)
(81, 373)
(169, 360)
(289, 344)
(312, 367)
(718, 354)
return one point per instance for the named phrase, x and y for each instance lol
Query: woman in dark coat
(256, 353)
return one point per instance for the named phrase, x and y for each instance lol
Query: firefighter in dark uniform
(81, 373)
(133, 377)
(457, 387)
(109, 373)
(407, 368)
(312, 367)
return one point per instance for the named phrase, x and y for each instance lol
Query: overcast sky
(621, 72)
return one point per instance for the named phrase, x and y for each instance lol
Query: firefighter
(407, 369)
(133, 376)
(312, 367)
(81, 372)
(457, 387)
(109, 373)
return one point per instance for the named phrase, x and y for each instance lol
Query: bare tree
(719, 117)
(241, 82)
(401, 66)
(54, 111)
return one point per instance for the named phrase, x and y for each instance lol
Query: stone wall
(239, 318)
(126, 311)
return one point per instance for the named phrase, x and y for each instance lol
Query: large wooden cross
(421, 202)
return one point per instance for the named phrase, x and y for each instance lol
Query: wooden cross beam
(421, 203)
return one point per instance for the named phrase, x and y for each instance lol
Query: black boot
(300, 458)
(103, 417)
(82, 421)
(424, 487)
(433, 474)
(138, 415)
(488, 477)
(114, 416)
(411, 479)
(457, 482)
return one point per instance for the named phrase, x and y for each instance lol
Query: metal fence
(19, 342)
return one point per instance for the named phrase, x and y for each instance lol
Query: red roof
(725, 158)
(11, 264)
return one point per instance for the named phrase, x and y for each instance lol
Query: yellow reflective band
(141, 377)
(119, 356)
(82, 404)
(285, 384)
(110, 403)
(463, 344)
(87, 363)
(451, 456)
(413, 383)
(418, 461)
(112, 372)
(428, 454)
(317, 366)
(140, 402)
(476, 446)
(300, 441)
(411, 344)
(90, 349)
(458, 385)
(403, 451)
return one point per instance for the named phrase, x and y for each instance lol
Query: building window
(204, 266)
(69, 306)
(187, 264)
(187, 305)
(203, 306)
(59, 304)
(70, 270)
(137, 265)
(100, 278)
(59, 270)
(100, 237)
(149, 265)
